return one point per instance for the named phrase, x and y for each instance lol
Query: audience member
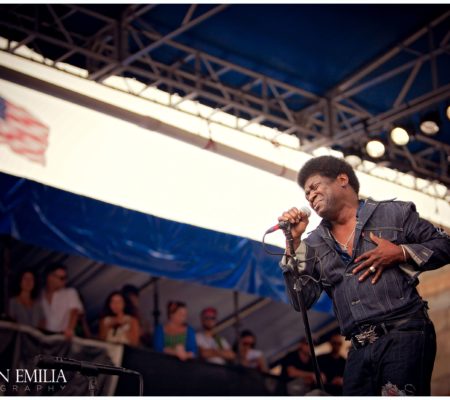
(61, 305)
(248, 356)
(212, 347)
(333, 365)
(131, 295)
(298, 364)
(117, 325)
(24, 308)
(176, 337)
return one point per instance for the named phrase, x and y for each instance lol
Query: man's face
(303, 348)
(336, 343)
(208, 321)
(322, 194)
(57, 279)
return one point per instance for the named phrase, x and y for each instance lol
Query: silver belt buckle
(368, 336)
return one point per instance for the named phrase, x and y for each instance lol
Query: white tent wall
(111, 160)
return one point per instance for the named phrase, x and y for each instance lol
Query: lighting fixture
(400, 136)
(353, 160)
(429, 123)
(375, 148)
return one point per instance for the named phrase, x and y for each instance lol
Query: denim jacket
(358, 303)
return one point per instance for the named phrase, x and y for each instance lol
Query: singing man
(367, 255)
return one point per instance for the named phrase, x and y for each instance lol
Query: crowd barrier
(163, 374)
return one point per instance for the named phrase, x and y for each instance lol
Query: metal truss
(129, 46)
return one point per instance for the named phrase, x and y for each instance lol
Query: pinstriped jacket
(358, 303)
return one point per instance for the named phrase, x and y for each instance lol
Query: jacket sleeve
(302, 276)
(427, 245)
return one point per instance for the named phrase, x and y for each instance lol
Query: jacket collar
(365, 212)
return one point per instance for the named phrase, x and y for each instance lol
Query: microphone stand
(301, 301)
(89, 369)
(91, 374)
(92, 381)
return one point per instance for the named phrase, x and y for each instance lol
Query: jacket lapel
(366, 212)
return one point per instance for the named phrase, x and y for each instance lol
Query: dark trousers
(398, 363)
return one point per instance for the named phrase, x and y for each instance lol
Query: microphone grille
(306, 210)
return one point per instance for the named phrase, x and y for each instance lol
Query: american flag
(22, 132)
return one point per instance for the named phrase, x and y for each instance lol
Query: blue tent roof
(63, 221)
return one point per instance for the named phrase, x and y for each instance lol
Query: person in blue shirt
(176, 337)
(367, 255)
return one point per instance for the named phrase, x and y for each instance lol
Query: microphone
(86, 368)
(286, 224)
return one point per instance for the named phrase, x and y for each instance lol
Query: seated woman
(117, 325)
(247, 354)
(24, 308)
(176, 337)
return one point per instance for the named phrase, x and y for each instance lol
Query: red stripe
(25, 120)
(39, 158)
(12, 130)
(26, 123)
(20, 134)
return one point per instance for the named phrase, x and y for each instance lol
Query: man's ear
(342, 180)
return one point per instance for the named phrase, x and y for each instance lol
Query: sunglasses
(250, 344)
(61, 277)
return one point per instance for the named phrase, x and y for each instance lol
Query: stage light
(429, 123)
(375, 148)
(353, 160)
(400, 136)
(447, 111)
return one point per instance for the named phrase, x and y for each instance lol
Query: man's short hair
(53, 267)
(329, 167)
(130, 289)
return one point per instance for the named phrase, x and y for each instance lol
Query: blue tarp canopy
(66, 222)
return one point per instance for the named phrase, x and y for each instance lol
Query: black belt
(371, 333)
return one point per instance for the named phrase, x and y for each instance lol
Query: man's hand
(298, 220)
(338, 380)
(385, 255)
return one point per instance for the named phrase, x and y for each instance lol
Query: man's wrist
(295, 243)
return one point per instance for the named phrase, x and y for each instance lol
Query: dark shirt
(394, 295)
(293, 359)
(331, 367)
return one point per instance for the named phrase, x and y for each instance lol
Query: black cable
(266, 250)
